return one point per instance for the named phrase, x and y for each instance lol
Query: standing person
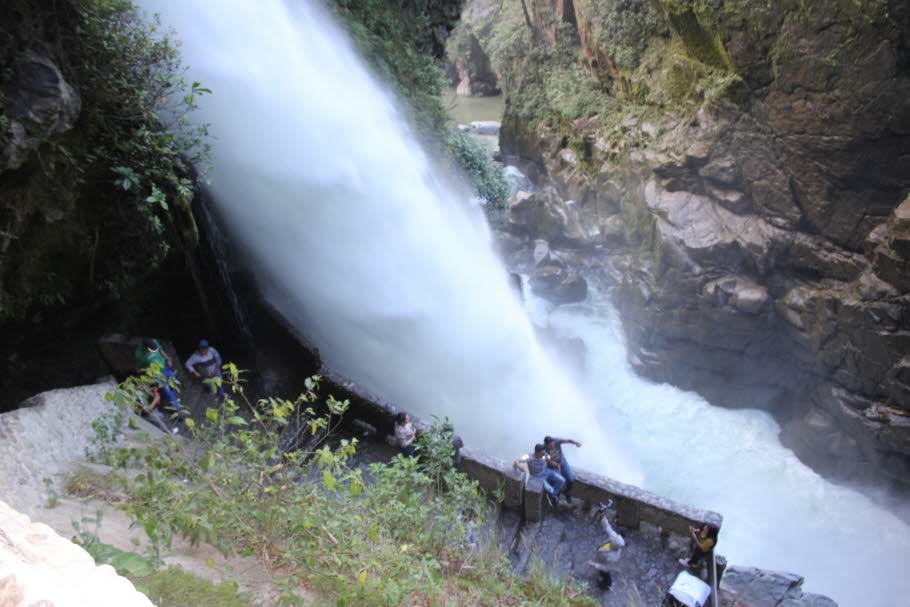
(205, 363)
(554, 450)
(607, 554)
(151, 357)
(703, 542)
(539, 466)
(405, 434)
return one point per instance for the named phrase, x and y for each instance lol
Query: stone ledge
(634, 505)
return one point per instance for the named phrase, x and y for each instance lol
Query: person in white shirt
(405, 434)
(205, 363)
(608, 553)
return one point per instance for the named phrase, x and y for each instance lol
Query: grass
(174, 587)
(90, 484)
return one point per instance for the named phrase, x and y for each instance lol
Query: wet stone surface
(566, 540)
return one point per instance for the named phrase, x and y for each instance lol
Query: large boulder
(753, 587)
(558, 285)
(39, 103)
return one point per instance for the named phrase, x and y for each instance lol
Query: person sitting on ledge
(554, 450)
(540, 466)
(405, 434)
(703, 543)
(205, 363)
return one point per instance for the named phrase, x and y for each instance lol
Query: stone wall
(634, 505)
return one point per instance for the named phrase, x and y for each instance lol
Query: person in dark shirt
(554, 450)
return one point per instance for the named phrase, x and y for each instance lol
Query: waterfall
(388, 271)
(354, 240)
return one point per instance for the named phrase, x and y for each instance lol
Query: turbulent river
(356, 239)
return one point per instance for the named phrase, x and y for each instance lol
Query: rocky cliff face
(741, 171)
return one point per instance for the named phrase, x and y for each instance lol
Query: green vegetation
(99, 206)
(479, 168)
(702, 42)
(171, 587)
(394, 38)
(640, 231)
(308, 513)
(624, 28)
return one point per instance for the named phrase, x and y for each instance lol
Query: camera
(602, 508)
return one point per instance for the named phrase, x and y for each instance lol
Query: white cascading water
(778, 513)
(356, 242)
(389, 273)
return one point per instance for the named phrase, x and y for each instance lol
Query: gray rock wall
(741, 174)
(38, 566)
(39, 439)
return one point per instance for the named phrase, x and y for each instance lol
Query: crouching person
(607, 554)
(205, 363)
(152, 411)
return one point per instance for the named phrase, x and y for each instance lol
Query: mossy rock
(702, 43)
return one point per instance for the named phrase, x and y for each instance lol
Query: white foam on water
(778, 513)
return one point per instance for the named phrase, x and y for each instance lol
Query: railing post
(712, 578)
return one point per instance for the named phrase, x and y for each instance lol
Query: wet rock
(797, 189)
(761, 588)
(519, 180)
(558, 285)
(485, 127)
(872, 288)
(536, 214)
(541, 251)
(571, 351)
(39, 103)
(758, 587)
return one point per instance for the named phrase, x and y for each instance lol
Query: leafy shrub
(392, 38)
(481, 170)
(310, 516)
(624, 27)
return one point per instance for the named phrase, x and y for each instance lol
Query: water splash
(778, 513)
(357, 243)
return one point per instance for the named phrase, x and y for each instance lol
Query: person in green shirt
(150, 356)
